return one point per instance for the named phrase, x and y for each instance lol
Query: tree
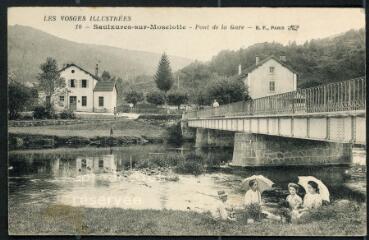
(155, 97)
(164, 77)
(19, 97)
(226, 91)
(119, 83)
(177, 98)
(174, 134)
(134, 97)
(316, 62)
(201, 97)
(105, 76)
(49, 78)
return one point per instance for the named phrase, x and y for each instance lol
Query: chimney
(97, 70)
(282, 58)
(239, 69)
(257, 59)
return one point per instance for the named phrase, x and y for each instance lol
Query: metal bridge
(333, 112)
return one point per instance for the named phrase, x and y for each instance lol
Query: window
(101, 101)
(271, 69)
(72, 83)
(61, 98)
(272, 86)
(84, 101)
(84, 83)
(72, 71)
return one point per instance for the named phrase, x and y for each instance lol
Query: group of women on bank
(296, 205)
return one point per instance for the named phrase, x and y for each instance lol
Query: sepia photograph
(186, 121)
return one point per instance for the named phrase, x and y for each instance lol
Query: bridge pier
(218, 138)
(265, 150)
(201, 137)
(213, 138)
(188, 133)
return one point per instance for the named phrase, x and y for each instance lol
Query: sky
(194, 42)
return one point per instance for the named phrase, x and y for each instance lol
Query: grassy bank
(121, 128)
(340, 218)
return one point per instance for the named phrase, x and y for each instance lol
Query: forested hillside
(316, 61)
(29, 47)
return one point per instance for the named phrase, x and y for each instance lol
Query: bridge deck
(333, 112)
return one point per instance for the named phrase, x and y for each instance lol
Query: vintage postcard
(187, 121)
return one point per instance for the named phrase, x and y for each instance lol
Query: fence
(152, 110)
(332, 97)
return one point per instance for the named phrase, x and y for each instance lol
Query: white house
(84, 92)
(268, 77)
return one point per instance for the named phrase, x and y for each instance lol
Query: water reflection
(103, 177)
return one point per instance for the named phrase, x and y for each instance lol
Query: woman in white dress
(312, 199)
(294, 200)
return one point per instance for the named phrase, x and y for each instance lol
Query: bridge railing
(332, 97)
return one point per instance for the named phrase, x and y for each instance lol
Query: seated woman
(294, 200)
(312, 200)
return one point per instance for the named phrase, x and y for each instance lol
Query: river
(103, 178)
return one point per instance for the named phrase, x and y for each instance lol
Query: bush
(156, 98)
(40, 112)
(67, 114)
(332, 211)
(177, 98)
(192, 164)
(134, 97)
(253, 211)
(225, 91)
(165, 160)
(145, 105)
(189, 164)
(20, 97)
(158, 160)
(25, 116)
(143, 163)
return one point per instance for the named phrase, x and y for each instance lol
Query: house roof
(253, 67)
(74, 65)
(104, 86)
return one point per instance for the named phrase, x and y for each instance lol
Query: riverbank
(341, 218)
(94, 128)
(93, 132)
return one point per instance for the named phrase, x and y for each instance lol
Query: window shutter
(69, 83)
